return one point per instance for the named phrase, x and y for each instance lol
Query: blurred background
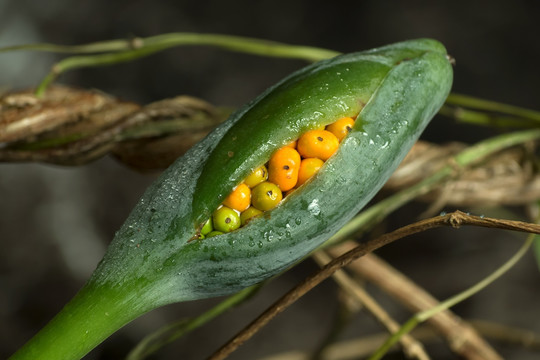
(56, 222)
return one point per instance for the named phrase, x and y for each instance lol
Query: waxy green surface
(396, 90)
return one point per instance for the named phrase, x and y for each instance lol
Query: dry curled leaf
(71, 127)
(506, 178)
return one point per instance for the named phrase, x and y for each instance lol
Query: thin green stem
(234, 43)
(537, 251)
(95, 47)
(127, 51)
(155, 341)
(76, 62)
(486, 119)
(425, 315)
(487, 105)
(477, 111)
(473, 154)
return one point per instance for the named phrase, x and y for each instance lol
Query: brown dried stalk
(506, 178)
(364, 346)
(461, 337)
(72, 127)
(455, 219)
(411, 347)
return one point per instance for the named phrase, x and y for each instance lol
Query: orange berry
(239, 199)
(318, 144)
(341, 127)
(292, 144)
(283, 168)
(308, 168)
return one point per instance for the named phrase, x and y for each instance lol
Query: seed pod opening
(392, 92)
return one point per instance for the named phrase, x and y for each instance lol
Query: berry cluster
(288, 168)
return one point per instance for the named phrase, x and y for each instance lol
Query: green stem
(537, 251)
(96, 47)
(89, 318)
(371, 216)
(486, 119)
(427, 314)
(148, 46)
(484, 112)
(487, 105)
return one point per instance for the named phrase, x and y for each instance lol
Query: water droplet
(268, 235)
(314, 208)
(251, 243)
(260, 244)
(298, 221)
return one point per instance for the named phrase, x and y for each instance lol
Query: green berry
(266, 196)
(226, 219)
(249, 214)
(207, 227)
(256, 177)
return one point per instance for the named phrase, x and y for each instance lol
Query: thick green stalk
(88, 319)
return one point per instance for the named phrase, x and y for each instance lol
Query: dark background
(56, 222)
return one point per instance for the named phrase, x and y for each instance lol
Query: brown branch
(411, 347)
(508, 334)
(461, 337)
(364, 346)
(455, 220)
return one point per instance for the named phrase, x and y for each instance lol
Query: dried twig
(362, 347)
(461, 337)
(411, 346)
(455, 220)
